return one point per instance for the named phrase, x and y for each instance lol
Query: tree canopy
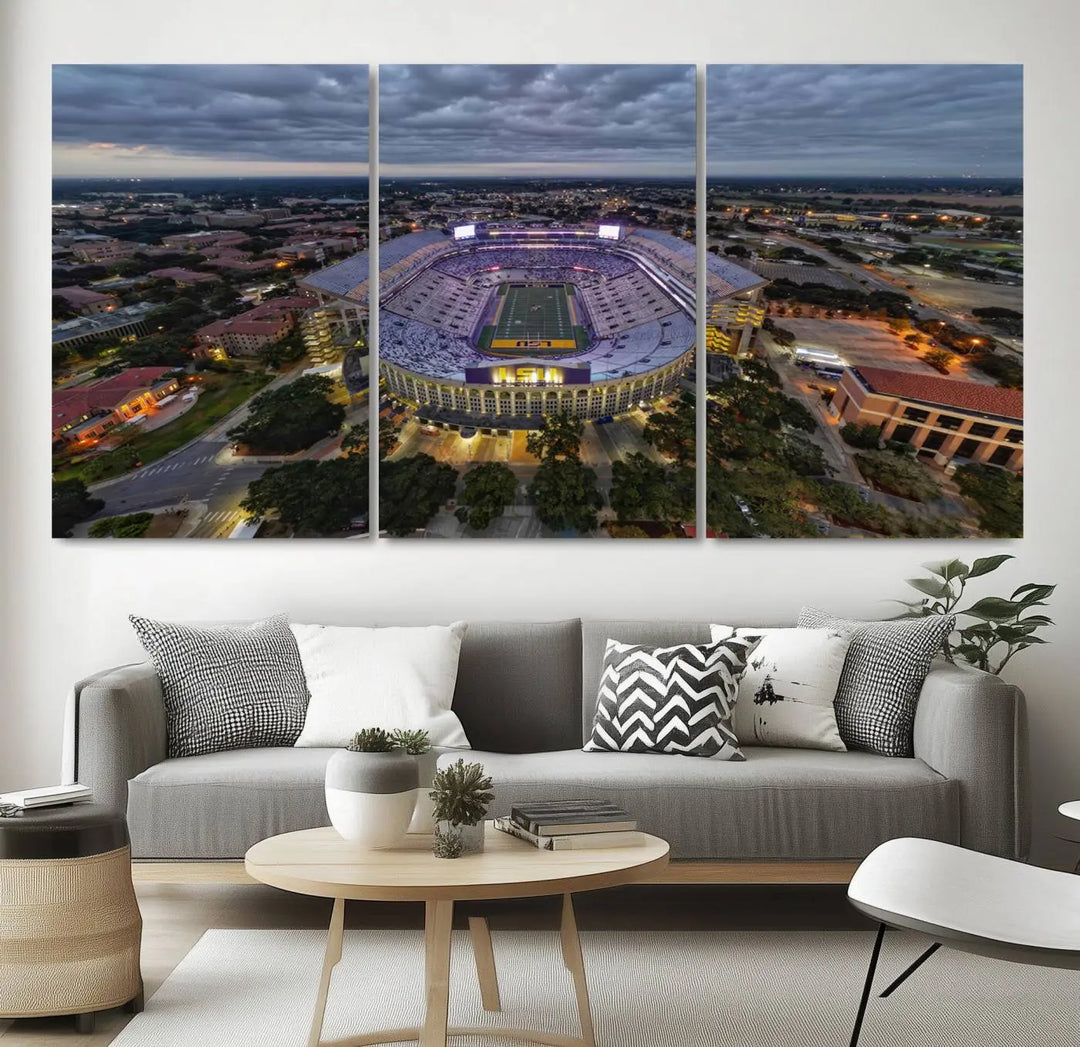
(291, 417)
(487, 491)
(565, 494)
(71, 504)
(411, 490)
(646, 490)
(318, 498)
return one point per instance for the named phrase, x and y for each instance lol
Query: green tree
(939, 359)
(899, 474)
(291, 417)
(674, 433)
(285, 350)
(487, 491)
(71, 504)
(646, 490)
(411, 491)
(565, 494)
(61, 309)
(560, 437)
(999, 496)
(866, 436)
(316, 498)
(133, 526)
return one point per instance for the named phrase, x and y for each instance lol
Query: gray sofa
(525, 695)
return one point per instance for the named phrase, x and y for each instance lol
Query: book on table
(572, 842)
(571, 817)
(48, 796)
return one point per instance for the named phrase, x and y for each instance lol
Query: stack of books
(50, 796)
(564, 825)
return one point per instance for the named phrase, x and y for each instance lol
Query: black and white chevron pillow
(230, 687)
(670, 699)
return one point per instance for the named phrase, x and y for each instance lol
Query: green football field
(534, 317)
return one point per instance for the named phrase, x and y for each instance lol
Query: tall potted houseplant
(371, 789)
(460, 793)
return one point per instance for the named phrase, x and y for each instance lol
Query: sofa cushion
(675, 699)
(594, 637)
(519, 685)
(220, 804)
(781, 803)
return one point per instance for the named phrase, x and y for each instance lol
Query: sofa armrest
(971, 727)
(114, 730)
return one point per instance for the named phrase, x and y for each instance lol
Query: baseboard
(729, 872)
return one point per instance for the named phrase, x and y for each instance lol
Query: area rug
(739, 989)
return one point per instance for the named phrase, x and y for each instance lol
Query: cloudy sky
(197, 120)
(914, 120)
(536, 120)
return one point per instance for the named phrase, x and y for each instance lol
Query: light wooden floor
(175, 917)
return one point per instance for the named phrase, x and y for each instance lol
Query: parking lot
(869, 343)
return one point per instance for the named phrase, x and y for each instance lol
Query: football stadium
(500, 325)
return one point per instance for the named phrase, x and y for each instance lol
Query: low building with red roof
(87, 412)
(953, 418)
(85, 301)
(182, 277)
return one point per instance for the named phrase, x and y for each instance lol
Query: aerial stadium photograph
(878, 381)
(537, 301)
(205, 384)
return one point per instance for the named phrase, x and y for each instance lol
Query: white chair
(969, 901)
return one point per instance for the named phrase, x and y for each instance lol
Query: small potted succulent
(460, 793)
(371, 788)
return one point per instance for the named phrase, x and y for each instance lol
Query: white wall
(64, 603)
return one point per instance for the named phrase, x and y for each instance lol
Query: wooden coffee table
(319, 862)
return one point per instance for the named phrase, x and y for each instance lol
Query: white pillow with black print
(787, 690)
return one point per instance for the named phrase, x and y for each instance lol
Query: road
(205, 478)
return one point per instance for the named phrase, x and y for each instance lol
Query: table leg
(571, 950)
(438, 922)
(330, 960)
(484, 956)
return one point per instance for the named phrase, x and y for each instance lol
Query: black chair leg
(871, 970)
(912, 968)
(85, 1022)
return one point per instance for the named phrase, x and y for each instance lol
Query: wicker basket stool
(70, 927)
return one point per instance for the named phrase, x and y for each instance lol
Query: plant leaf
(1032, 593)
(994, 609)
(986, 564)
(948, 569)
(930, 586)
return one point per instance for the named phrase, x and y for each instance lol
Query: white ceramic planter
(371, 797)
(423, 819)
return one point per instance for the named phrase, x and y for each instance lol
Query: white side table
(1072, 810)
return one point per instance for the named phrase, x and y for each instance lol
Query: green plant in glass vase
(1002, 626)
(460, 795)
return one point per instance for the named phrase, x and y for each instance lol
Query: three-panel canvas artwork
(507, 316)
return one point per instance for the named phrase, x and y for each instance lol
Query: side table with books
(70, 927)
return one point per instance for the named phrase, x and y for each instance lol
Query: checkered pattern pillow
(232, 687)
(883, 675)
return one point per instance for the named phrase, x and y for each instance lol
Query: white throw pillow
(392, 677)
(786, 693)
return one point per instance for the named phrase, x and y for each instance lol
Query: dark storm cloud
(635, 116)
(280, 113)
(864, 119)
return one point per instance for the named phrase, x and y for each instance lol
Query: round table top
(1070, 809)
(319, 862)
